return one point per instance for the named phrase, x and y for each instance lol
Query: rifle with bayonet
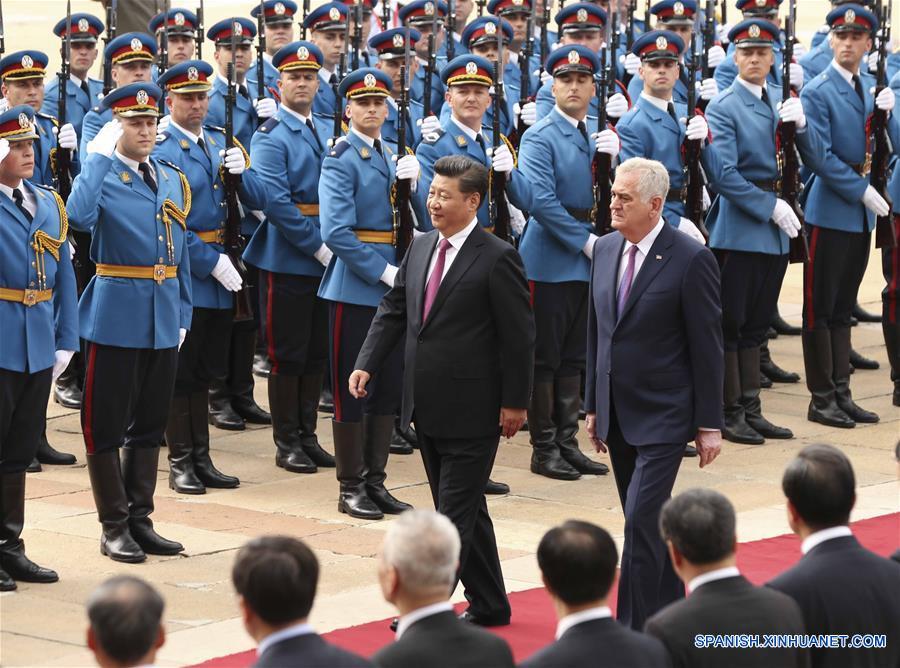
(199, 38)
(260, 50)
(613, 44)
(356, 39)
(403, 219)
(481, 4)
(164, 41)
(63, 161)
(708, 37)
(498, 208)
(338, 113)
(451, 30)
(630, 29)
(430, 67)
(303, 22)
(2, 32)
(234, 243)
(111, 30)
(601, 163)
(545, 39)
(526, 51)
(694, 181)
(885, 234)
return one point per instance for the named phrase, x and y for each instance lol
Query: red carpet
(534, 622)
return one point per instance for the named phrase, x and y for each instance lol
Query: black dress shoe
(776, 374)
(864, 316)
(21, 568)
(151, 542)
(741, 432)
(690, 451)
(34, 466)
(830, 416)
(468, 617)
(856, 412)
(6, 582)
(118, 545)
(68, 396)
(771, 333)
(262, 367)
(857, 361)
(326, 401)
(496, 487)
(250, 411)
(356, 503)
(295, 461)
(47, 454)
(550, 464)
(768, 430)
(581, 462)
(386, 501)
(764, 381)
(318, 455)
(399, 445)
(225, 417)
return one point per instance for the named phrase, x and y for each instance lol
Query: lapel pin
(184, 144)
(125, 176)
(364, 153)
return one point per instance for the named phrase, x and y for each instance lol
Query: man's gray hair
(652, 177)
(423, 546)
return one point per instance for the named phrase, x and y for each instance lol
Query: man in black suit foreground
(461, 300)
(841, 587)
(126, 627)
(698, 526)
(417, 572)
(275, 578)
(655, 371)
(578, 565)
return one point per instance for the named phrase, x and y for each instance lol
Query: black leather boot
(864, 316)
(139, 468)
(310, 389)
(546, 459)
(34, 466)
(221, 413)
(284, 400)
(204, 468)
(771, 370)
(116, 541)
(182, 477)
(496, 487)
(840, 353)
(567, 403)
(858, 361)
(781, 326)
(748, 362)
(736, 428)
(15, 564)
(350, 470)
(47, 454)
(377, 431)
(67, 389)
(240, 377)
(399, 445)
(891, 331)
(6, 582)
(818, 363)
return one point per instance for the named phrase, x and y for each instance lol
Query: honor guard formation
(229, 201)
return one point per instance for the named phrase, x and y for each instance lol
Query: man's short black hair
(277, 577)
(471, 174)
(125, 615)
(820, 484)
(578, 560)
(700, 522)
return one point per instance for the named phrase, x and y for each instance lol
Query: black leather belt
(768, 186)
(584, 215)
(674, 195)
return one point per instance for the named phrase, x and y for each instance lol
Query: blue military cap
(17, 124)
(191, 76)
(130, 47)
(243, 29)
(83, 27)
(392, 43)
(658, 45)
(504, 7)
(419, 12)
(468, 69)
(365, 82)
(852, 17)
(276, 12)
(572, 58)
(754, 32)
(759, 7)
(675, 12)
(134, 99)
(21, 65)
(298, 55)
(580, 16)
(485, 29)
(180, 22)
(330, 16)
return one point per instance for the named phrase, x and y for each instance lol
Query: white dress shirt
(296, 114)
(567, 622)
(190, 135)
(28, 200)
(712, 576)
(658, 102)
(133, 165)
(643, 249)
(290, 632)
(470, 133)
(411, 618)
(821, 536)
(845, 73)
(325, 75)
(752, 87)
(456, 242)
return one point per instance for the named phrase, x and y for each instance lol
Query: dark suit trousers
(458, 471)
(644, 476)
(23, 411)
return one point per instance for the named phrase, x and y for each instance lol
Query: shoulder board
(432, 137)
(43, 186)
(339, 149)
(169, 164)
(319, 114)
(269, 124)
(41, 114)
(162, 136)
(217, 128)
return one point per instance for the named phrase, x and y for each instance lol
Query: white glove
(800, 50)
(796, 72)
(408, 168)
(708, 88)
(163, 124)
(516, 218)
(875, 202)
(4, 105)
(872, 61)
(234, 160)
(66, 137)
(266, 107)
(545, 76)
(707, 202)
(71, 250)
(885, 100)
(429, 125)
(63, 357)
(182, 333)
(105, 141)
(786, 219)
(4, 149)
(687, 227)
(501, 159)
(632, 63)
(606, 142)
(323, 255)
(722, 30)
(389, 275)
(697, 128)
(616, 105)
(791, 111)
(226, 274)
(528, 112)
(715, 56)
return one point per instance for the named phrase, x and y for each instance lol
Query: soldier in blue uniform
(423, 15)
(325, 27)
(278, 16)
(390, 45)
(366, 56)
(516, 13)
(182, 33)
(357, 224)
(556, 156)
(890, 266)
(198, 150)
(134, 315)
(750, 226)
(39, 314)
(840, 210)
(287, 247)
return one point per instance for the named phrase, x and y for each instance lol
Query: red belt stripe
(87, 425)
(808, 287)
(270, 321)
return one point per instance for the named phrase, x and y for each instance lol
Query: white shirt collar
(645, 244)
(411, 618)
(458, 239)
(290, 632)
(847, 74)
(75, 80)
(513, 57)
(6, 190)
(573, 121)
(821, 536)
(267, 57)
(187, 133)
(753, 88)
(366, 138)
(393, 103)
(296, 114)
(470, 133)
(659, 103)
(712, 576)
(325, 74)
(224, 80)
(133, 164)
(567, 622)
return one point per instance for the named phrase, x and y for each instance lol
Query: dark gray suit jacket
(308, 650)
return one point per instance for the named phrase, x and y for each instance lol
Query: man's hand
(358, 381)
(226, 274)
(590, 425)
(266, 107)
(511, 419)
(709, 445)
(66, 137)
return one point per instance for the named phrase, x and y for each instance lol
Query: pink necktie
(627, 278)
(434, 281)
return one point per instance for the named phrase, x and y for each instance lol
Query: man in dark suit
(417, 572)
(578, 566)
(461, 300)
(125, 623)
(275, 578)
(698, 526)
(654, 371)
(841, 587)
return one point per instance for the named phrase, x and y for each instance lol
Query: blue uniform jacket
(323, 102)
(208, 210)
(817, 60)
(288, 158)
(417, 86)
(679, 93)
(270, 79)
(78, 103)
(545, 100)
(894, 183)
(727, 70)
(389, 129)
(45, 151)
(506, 113)
(32, 334)
(111, 202)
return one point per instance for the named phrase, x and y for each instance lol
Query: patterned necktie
(434, 281)
(19, 199)
(148, 177)
(627, 279)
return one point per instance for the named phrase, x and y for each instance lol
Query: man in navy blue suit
(654, 371)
